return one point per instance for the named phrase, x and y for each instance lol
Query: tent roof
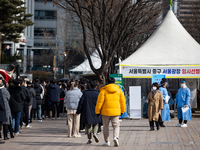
(85, 66)
(170, 44)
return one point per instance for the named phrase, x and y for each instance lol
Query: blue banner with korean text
(157, 78)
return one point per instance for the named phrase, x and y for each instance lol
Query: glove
(185, 105)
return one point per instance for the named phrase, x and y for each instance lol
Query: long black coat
(87, 107)
(27, 95)
(16, 98)
(38, 90)
(2, 109)
(54, 92)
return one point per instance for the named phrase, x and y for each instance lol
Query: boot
(161, 124)
(157, 125)
(151, 123)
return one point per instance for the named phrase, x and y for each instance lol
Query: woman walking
(155, 100)
(72, 99)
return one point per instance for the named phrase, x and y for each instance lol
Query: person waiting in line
(155, 100)
(8, 124)
(86, 108)
(165, 113)
(3, 117)
(183, 101)
(39, 91)
(32, 96)
(54, 91)
(111, 104)
(17, 96)
(72, 99)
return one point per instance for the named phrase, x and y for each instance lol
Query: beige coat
(155, 106)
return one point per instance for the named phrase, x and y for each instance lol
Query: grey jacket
(6, 99)
(72, 98)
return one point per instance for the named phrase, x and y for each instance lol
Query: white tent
(85, 66)
(171, 46)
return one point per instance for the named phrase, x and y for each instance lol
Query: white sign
(168, 71)
(135, 101)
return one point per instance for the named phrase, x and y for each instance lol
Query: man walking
(87, 109)
(111, 104)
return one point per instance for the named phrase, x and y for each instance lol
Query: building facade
(25, 45)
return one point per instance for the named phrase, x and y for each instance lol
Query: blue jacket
(54, 93)
(183, 98)
(165, 113)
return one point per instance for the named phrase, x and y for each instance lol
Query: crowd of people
(87, 107)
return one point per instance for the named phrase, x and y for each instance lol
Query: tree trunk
(102, 79)
(0, 47)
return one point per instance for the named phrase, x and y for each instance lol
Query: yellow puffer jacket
(111, 101)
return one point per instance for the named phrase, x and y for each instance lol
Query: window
(42, 14)
(39, 31)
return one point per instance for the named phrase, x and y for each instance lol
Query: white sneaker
(77, 136)
(178, 125)
(116, 142)
(52, 118)
(39, 120)
(18, 133)
(96, 138)
(184, 125)
(28, 126)
(106, 144)
(120, 120)
(58, 118)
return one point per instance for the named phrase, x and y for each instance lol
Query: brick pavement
(134, 135)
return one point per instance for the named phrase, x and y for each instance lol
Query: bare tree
(112, 27)
(64, 46)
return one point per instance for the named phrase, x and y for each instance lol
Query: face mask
(154, 88)
(183, 86)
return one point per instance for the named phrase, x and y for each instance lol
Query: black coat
(54, 92)
(87, 107)
(27, 95)
(38, 90)
(16, 98)
(2, 109)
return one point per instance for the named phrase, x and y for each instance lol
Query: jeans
(39, 112)
(16, 121)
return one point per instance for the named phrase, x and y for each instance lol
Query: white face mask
(154, 88)
(183, 86)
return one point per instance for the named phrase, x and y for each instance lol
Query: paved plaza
(134, 135)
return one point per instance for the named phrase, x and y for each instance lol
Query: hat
(16, 82)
